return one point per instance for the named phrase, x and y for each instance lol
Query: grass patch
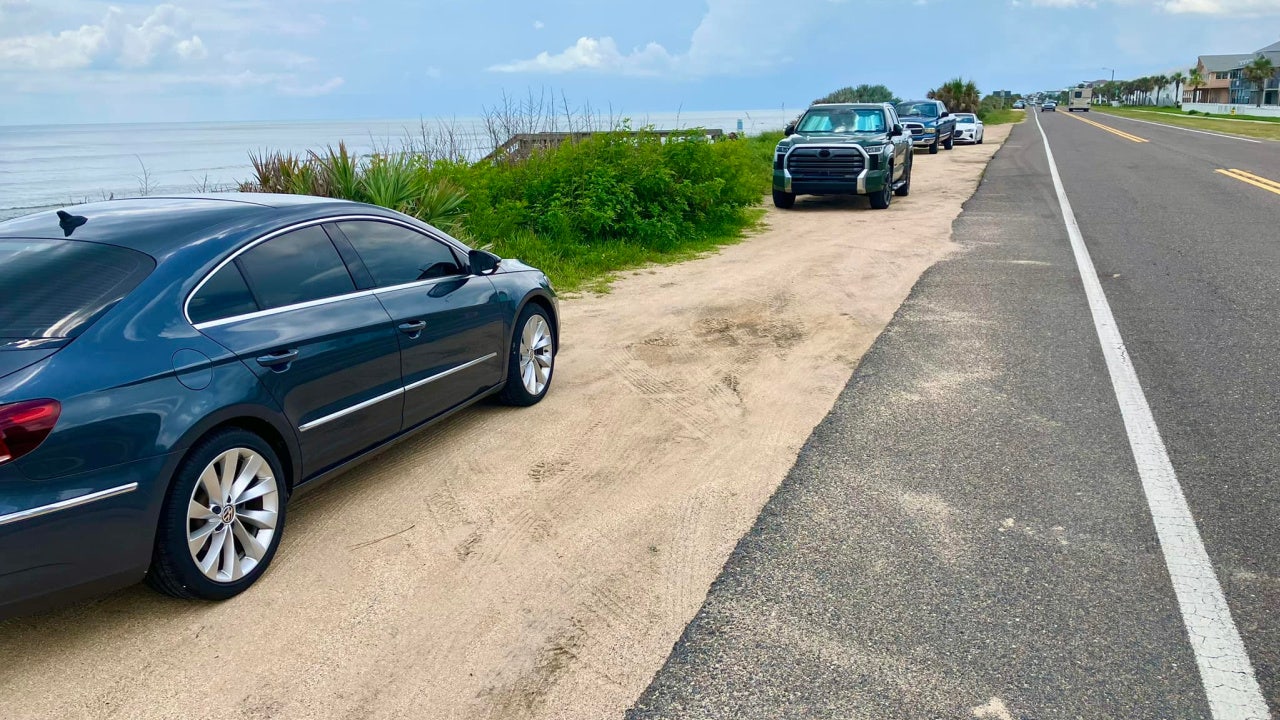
(581, 212)
(1002, 116)
(1264, 131)
(1179, 112)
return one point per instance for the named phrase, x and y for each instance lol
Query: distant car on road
(174, 370)
(1049, 106)
(929, 123)
(844, 149)
(1019, 105)
(969, 128)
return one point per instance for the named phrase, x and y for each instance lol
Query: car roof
(851, 106)
(159, 224)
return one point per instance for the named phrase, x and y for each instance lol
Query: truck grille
(808, 163)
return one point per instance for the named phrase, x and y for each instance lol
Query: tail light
(24, 425)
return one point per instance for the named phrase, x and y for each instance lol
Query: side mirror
(945, 114)
(789, 131)
(482, 263)
(897, 131)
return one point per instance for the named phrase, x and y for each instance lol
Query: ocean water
(42, 167)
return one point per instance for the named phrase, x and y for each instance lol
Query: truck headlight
(931, 131)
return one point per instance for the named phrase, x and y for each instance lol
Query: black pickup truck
(843, 149)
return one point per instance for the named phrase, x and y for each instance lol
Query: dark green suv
(844, 149)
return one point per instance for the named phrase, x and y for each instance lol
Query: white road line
(1190, 130)
(1225, 669)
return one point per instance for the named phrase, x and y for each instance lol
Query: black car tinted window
(296, 267)
(223, 295)
(396, 255)
(56, 288)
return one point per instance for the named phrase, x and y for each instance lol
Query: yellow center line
(1255, 180)
(1109, 129)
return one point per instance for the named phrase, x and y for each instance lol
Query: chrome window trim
(394, 393)
(67, 504)
(450, 371)
(283, 308)
(186, 304)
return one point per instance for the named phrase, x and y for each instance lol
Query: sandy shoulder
(534, 563)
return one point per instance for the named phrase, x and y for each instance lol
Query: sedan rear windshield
(56, 288)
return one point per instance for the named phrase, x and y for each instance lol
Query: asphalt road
(966, 534)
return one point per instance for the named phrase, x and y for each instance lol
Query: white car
(968, 128)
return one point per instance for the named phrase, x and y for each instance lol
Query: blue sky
(88, 61)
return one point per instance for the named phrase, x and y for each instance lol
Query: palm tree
(958, 95)
(1259, 72)
(1195, 81)
(1177, 79)
(1159, 83)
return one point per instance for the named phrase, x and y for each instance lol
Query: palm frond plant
(340, 171)
(1259, 72)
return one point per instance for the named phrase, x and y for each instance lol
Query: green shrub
(579, 211)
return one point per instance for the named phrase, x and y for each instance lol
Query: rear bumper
(64, 539)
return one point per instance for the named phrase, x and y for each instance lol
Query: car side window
(396, 255)
(296, 267)
(224, 294)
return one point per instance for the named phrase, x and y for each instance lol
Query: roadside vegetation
(579, 211)
(958, 94)
(861, 94)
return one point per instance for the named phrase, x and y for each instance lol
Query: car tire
(905, 190)
(933, 149)
(784, 200)
(951, 141)
(531, 362)
(880, 200)
(253, 525)
(981, 136)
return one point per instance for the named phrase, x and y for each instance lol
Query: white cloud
(113, 41)
(734, 36)
(601, 55)
(1234, 8)
(538, 24)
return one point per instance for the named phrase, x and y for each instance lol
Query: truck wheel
(783, 200)
(933, 149)
(880, 200)
(905, 190)
(951, 141)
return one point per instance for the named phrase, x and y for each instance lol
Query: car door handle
(275, 359)
(413, 328)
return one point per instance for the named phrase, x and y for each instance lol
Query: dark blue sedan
(173, 370)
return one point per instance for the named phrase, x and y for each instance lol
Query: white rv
(1081, 96)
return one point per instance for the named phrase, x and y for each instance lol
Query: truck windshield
(56, 288)
(842, 120)
(924, 109)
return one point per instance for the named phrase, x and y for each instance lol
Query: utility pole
(1113, 81)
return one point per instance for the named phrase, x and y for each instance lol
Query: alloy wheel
(536, 355)
(232, 515)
